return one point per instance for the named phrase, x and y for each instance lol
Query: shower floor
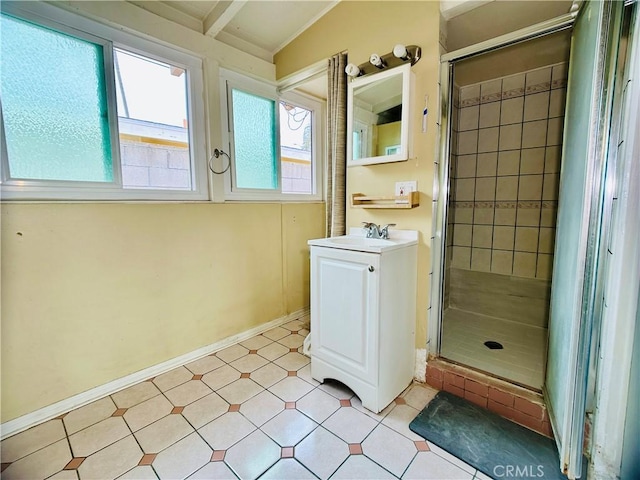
(522, 359)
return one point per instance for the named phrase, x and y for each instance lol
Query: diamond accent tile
(119, 412)
(197, 377)
(400, 401)
(355, 449)
(218, 455)
(290, 405)
(253, 352)
(292, 374)
(147, 459)
(345, 403)
(245, 375)
(235, 407)
(287, 452)
(177, 410)
(421, 446)
(74, 463)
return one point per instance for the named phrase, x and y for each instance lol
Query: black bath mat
(486, 441)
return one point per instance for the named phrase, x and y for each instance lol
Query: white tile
(144, 472)
(512, 111)
(399, 419)
(232, 353)
(510, 137)
(468, 118)
(287, 469)
(226, 430)
(488, 140)
(388, 448)
(350, 425)
(291, 389)
(451, 458)
(112, 461)
(206, 409)
(166, 431)
(536, 106)
(173, 378)
(252, 456)
(262, 408)
(466, 166)
(534, 134)
(24, 443)
(322, 452)
(272, 351)
(292, 361)
(490, 114)
(65, 475)
(357, 404)
(214, 471)
(359, 467)
(305, 374)
(288, 427)
(91, 439)
(40, 464)
(467, 142)
(292, 341)
(220, 377)
(147, 412)
(240, 391)
(204, 365)
(418, 395)
(257, 342)
(187, 393)
(134, 395)
(276, 333)
(88, 415)
(268, 375)
(509, 162)
(337, 389)
(193, 453)
(428, 465)
(487, 164)
(249, 363)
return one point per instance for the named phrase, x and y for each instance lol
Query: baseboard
(47, 413)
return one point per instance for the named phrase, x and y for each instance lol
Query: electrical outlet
(403, 188)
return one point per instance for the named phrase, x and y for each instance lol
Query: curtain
(337, 142)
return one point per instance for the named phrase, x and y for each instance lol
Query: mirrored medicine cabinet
(378, 113)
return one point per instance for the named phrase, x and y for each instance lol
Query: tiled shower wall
(506, 152)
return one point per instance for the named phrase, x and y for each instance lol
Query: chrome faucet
(374, 231)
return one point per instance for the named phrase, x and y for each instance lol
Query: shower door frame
(442, 163)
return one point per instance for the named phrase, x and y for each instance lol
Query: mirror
(378, 117)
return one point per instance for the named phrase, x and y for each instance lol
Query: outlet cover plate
(403, 188)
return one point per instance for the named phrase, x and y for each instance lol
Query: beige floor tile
(289, 427)
(428, 465)
(226, 430)
(360, 467)
(204, 365)
(318, 405)
(252, 456)
(294, 325)
(268, 375)
(256, 343)
(357, 404)
(273, 351)
(249, 363)
(147, 412)
(481, 476)
(292, 361)
(98, 436)
(232, 353)
(166, 431)
(451, 458)
(322, 452)
(399, 419)
(292, 341)
(187, 393)
(172, 378)
(144, 472)
(262, 408)
(24, 443)
(214, 471)
(206, 409)
(388, 448)
(277, 333)
(40, 464)
(65, 475)
(337, 389)
(134, 395)
(220, 377)
(419, 395)
(112, 461)
(88, 415)
(350, 425)
(288, 469)
(193, 453)
(305, 374)
(240, 391)
(291, 389)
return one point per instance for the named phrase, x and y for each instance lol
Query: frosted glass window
(254, 134)
(152, 121)
(296, 140)
(54, 105)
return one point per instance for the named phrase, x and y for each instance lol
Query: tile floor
(249, 411)
(521, 360)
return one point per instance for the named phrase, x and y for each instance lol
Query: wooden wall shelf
(360, 200)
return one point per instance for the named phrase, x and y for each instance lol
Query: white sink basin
(358, 242)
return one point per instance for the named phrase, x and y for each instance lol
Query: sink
(358, 242)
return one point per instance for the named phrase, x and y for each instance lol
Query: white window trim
(73, 24)
(229, 80)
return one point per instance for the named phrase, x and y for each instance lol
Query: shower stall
(504, 163)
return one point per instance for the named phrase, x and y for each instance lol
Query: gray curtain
(337, 142)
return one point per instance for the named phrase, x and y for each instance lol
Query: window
(89, 112)
(274, 141)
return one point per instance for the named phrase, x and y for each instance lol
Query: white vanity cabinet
(363, 315)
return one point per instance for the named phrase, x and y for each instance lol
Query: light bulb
(352, 70)
(376, 61)
(400, 51)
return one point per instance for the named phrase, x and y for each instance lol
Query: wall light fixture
(399, 55)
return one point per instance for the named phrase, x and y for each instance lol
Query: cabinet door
(344, 310)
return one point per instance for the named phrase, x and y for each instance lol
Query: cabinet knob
(371, 269)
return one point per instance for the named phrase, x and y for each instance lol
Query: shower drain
(493, 345)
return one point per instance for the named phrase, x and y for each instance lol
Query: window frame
(109, 38)
(230, 80)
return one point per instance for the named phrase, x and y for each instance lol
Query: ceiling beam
(221, 15)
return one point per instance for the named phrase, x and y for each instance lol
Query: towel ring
(216, 154)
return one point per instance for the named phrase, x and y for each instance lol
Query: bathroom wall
(504, 188)
(361, 28)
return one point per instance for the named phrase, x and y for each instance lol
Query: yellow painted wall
(362, 28)
(388, 135)
(92, 292)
